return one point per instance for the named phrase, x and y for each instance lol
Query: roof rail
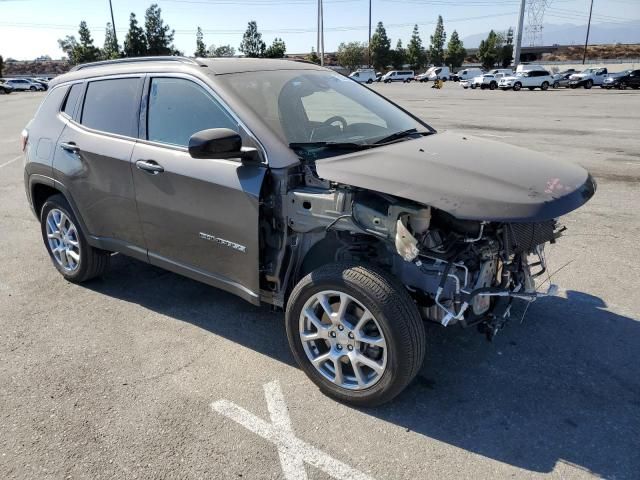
(136, 60)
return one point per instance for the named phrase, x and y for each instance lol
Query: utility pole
(321, 35)
(586, 41)
(113, 23)
(318, 30)
(516, 54)
(369, 33)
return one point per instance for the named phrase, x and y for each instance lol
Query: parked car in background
(40, 81)
(23, 84)
(622, 80)
(588, 78)
(398, 76)
(5, 88)
(561, 80)
(466, 74)
(488, 80)
(530, 79)
(364, 75)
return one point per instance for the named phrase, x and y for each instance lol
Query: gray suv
(288, 184)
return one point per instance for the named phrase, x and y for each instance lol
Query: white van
(398, 76)
(529, 67)
(364, 75)
(467, 74)
(442, 73)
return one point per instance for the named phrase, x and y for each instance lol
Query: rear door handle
(150, 166)
(70, 147)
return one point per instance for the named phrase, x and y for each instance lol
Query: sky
(30, 28)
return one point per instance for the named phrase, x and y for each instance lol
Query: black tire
(517, 86)
(93, 262)
(493, 86)
(622, 86)
(473, 86)
(369, 82)
(588, 84)
(483, 87)
(392, 308)
(544, 86)
(33, 89)
(556, 84)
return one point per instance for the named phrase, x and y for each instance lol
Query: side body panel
(200, 217)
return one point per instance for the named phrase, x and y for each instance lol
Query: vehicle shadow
(562, 386)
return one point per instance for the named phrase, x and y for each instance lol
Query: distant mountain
(570, 34)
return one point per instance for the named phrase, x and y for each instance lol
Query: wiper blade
(399, 135)
(334, 145)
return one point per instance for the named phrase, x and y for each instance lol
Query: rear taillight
(24, 138)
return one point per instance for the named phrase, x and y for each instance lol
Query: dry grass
(594, 52)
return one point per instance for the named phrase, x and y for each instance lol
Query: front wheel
(356, 332)
(622, 86)
(67, 246)
(33, 89)
(589, 84)
(493, 86)
(369, 82)
(473, 86)
(556, 84)
(517, 86)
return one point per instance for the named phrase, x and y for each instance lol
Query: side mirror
(220, 143)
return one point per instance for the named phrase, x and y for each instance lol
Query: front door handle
(150, 166)
(70, 147)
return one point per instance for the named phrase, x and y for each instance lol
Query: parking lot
(145, 374)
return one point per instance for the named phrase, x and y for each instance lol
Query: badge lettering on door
(223, 242)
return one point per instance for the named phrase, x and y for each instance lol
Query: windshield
(306, 106)
(588, 70)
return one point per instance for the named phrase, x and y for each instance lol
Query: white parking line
(10, 161)
(293, 452)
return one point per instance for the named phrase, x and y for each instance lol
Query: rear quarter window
(112, 106)
(70, 102)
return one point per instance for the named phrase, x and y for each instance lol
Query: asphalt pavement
(145, 374)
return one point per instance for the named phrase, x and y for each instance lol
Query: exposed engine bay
(462, 272)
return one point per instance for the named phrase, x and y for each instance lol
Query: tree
(351, 55)
(456, 53)
(69, 45)
(252, 44)
(111, 48)
(277, 49)
(201, 50)
(159, 36)
(438, 39)
(135, 43)
(221, 51)
(506, 52)
(416, 56)
(313, 57)
(398, 56)
(489, 50)
(87, 51)
(380, 48)
(1, 65)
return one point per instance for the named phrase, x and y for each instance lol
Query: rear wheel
(473, 86)
(544, 86)
(517, 86)
(556, 84)
(493, 86)
(356, 332)
(369, 81)
(622, 86)
(70, 253)
(33, 89)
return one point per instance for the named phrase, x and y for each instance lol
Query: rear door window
(72, 98)
(178, 108)
(112, 106)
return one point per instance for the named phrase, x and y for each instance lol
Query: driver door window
(178, 108)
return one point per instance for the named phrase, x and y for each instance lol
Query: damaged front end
(458, 271)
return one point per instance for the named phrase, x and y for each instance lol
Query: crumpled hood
(468, 177)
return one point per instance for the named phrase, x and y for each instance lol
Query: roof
(206, 66)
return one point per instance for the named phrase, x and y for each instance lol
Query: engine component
(406, 244)
(486, 278)
(524, 237)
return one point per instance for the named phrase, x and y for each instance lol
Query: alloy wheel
(343, 340)
(62, 237)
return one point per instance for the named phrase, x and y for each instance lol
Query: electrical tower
(535, 17)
